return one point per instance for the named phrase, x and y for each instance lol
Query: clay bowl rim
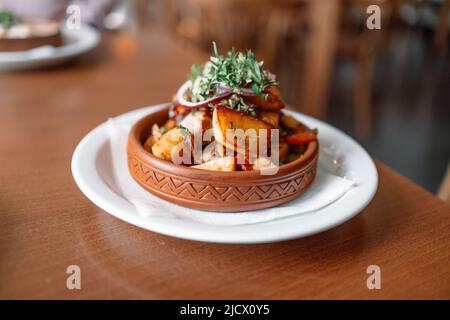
(175, 169)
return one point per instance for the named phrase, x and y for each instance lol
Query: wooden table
(47, 224)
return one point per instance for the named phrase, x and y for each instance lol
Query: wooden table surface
(47, 224)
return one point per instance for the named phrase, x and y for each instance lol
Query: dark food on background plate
(17, 34)
(229, 92)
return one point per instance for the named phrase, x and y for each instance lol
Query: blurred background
(387, 88)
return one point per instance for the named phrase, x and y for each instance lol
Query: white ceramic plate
(340, 154)
(76, 42)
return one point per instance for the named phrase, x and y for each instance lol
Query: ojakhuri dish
(224, 143)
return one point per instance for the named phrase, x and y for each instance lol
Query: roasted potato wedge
(213, 150)
(227, 119)
(274, 100)
(271, 117)
(218, 164)
(175, 137)
(149, 143)
(264, 164)
(169, 125)
(197, 122)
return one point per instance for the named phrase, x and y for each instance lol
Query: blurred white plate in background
(76, 42)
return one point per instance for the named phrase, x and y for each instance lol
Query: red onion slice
(242, 91)
(194, 105)
(224, 91)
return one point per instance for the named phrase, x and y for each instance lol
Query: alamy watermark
(247, 146)
(74, 279)
(373, 22)
(374, 280)
(73, 21)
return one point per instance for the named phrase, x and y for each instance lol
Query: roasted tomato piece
(301, 138)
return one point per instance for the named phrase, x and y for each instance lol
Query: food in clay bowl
(21, 34)
(224, 143)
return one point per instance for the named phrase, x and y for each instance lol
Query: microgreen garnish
(232, 72)
(7, 19)
(237, 103)
(196, 71)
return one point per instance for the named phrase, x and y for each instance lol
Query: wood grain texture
(47, 224)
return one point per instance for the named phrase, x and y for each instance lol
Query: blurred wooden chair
(332, 33)
(320, 54)
(360, 45)
(441, 33)
(231, 23)
(284, 21)
(269, 27)
(344, 35)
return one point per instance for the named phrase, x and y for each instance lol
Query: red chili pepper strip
(301, 138)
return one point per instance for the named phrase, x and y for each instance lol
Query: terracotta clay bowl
(30, 43)
(211, 190)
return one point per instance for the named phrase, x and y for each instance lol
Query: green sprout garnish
(236, 70)
(7, 19)
(237, 103)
